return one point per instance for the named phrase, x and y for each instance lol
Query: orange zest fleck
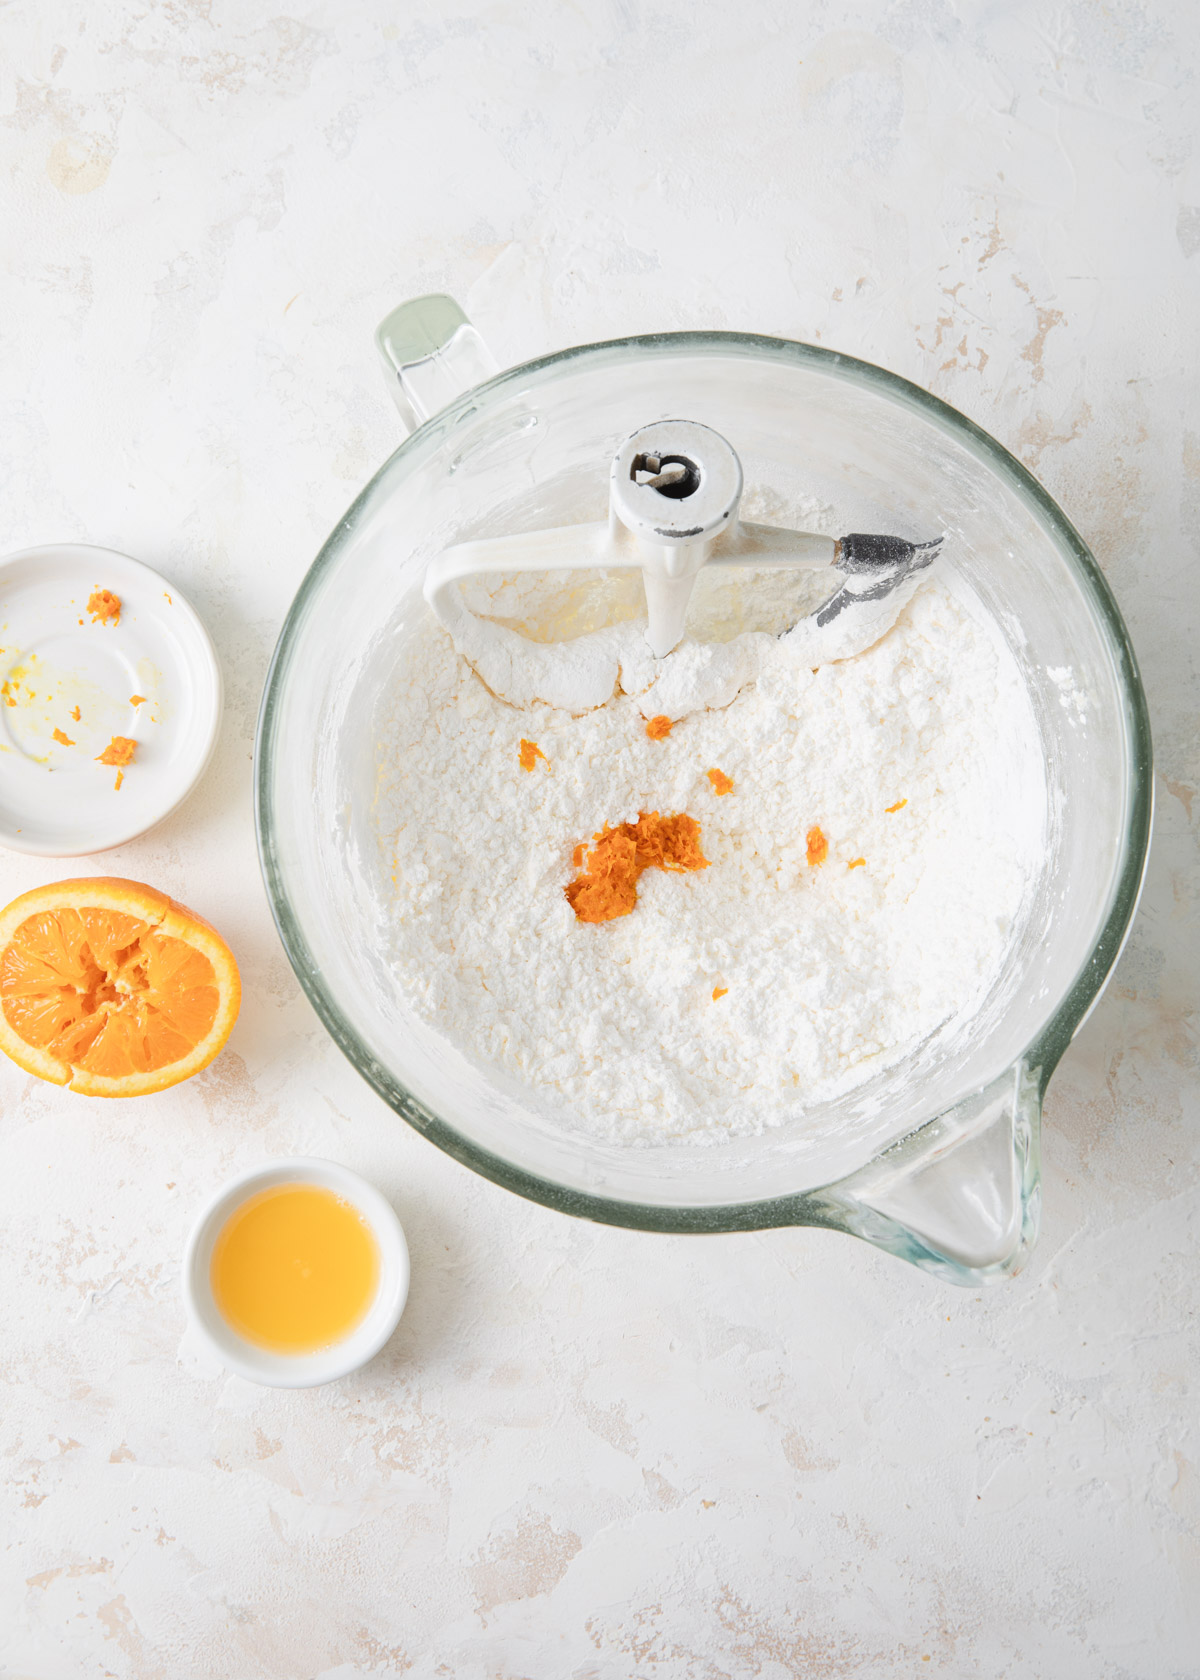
(818, 846)
(7, 692)
(856, 863)
(719, 992)
(529, 754)
(607, 888)
(137, 699)
(898, 806)
(577, 855)
(722, 783)
(104, 606)
(119, 750)
(658, 728)
(75, 713)
(63, 740)
(119, 780)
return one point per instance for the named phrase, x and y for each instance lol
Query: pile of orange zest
(898, 806)
(658, 728)
(719, 992)
(119, 750)
(75, 713)
(63, 740)
(529, 754)
(856, 863)
(722, 783)
(137, 699)
(104, 606)
(818, 846)
(607, 888)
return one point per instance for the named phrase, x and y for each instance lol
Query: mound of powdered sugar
(827, 972)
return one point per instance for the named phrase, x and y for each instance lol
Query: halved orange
(112, 988)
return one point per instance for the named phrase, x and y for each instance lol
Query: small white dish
(55, 799)
(302, 1370)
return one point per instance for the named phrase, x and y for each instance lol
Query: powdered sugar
(829, 972)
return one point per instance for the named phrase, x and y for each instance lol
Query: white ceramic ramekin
(277, 1370)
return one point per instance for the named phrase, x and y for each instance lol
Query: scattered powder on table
(827, 975)
(104, 606)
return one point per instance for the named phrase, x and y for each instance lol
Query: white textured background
(591, 1453)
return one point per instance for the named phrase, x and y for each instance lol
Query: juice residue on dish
(294, 1268)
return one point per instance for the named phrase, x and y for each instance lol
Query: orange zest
(856, 863)
(63, 740)
(722, 784)
(818, 846)
(120, 750)
(104, 606)
(529, 754)
(898, 806)
(607, 888)
(112, 988)
(75, 713)
(119, 780)
(658, 728)
(719, 992)
(137, 699)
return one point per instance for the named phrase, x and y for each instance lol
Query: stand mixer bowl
(935, 1158)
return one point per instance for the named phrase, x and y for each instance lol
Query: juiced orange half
(112, 988)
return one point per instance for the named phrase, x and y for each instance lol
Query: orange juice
(294, 1268)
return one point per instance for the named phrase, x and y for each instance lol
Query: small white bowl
(303, 1370)
(55, 799)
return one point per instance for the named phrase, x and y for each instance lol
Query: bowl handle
(960, 1198)
(432, 354)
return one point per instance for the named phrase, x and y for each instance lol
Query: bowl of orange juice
(296, 1273)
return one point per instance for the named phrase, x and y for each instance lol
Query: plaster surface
(589, 1452)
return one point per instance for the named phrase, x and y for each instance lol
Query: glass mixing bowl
(935, 1159)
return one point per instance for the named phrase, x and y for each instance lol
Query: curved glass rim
(1041, 1056)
